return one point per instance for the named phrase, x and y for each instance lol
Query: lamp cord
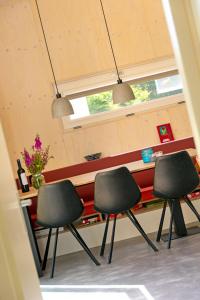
(119, 79)
(58, 94)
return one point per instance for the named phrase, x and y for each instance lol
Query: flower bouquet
(36, 161)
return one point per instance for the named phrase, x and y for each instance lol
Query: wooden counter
(87, 178)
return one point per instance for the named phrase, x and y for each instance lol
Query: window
(168, 85)
(144, 92)
(155, 84)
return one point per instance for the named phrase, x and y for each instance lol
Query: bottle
(22, 178)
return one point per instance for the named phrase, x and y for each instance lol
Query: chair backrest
(58, 204)
(115, 191)
(175, 175)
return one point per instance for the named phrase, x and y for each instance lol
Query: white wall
(183, 21)
(18, 278)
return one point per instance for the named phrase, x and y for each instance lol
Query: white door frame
(18, 277)
(183, 19)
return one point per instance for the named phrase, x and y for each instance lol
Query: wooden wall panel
(127, 134)
(78, 40)
(140, 130)
(26, 92)
(76, 37)
(179, 116)
(155, 24)
(79, 46)
(140, 25)
(99, 138)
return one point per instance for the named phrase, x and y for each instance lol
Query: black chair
(175, 177)
(59, 205)
(117, 192)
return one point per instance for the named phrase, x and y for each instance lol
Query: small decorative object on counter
(37, 180)
(93, 156)
(147, 155)
(36, 161)
(22, 177)
(156, 154)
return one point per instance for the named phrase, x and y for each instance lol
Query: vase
(37, 180)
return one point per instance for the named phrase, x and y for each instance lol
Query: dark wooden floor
(135, 273)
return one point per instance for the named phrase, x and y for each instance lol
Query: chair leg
(105, 236)
(170, 226)
(161, 221)
(112, 240)
(191, 206)
(82, 243)
(44, 263)
(54, 252)
(140, 229)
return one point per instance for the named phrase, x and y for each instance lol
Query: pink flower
(38, 158)
(27, 158)
(38, 143)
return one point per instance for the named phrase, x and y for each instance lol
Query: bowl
(93, 156)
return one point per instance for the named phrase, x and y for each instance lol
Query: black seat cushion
(175, 175)
(115, 191)
(58, 204)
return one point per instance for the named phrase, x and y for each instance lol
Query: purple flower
(38, 143)
(27, 158)
(38, 158)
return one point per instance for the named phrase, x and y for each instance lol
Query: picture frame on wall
(165, 133)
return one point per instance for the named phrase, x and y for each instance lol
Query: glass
(37, 180)
(147, 155)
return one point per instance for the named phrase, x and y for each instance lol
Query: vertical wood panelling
(129, 132)
(76, 37)
(25, 87)
(126, 134)
(99, 138)
(78, 41)
(155, 24)
(179, 116)
(79, 46)
(141, 26)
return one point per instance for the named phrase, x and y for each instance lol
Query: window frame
(122, 112)
(104, 82)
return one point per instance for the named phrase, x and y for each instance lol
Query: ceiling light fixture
(122, 91)
(61, 106)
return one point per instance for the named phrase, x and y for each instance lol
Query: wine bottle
(22, 178)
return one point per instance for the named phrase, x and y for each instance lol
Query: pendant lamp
(61, 106)
(122, 91)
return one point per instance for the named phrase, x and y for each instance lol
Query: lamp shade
(122, 92)
(61, 107)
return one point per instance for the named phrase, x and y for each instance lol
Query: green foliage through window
(143, 92)
(100, 102)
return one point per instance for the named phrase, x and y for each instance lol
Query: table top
(87, 178)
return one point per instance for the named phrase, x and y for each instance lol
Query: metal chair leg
(170, 226)
(105, 236)
(82, 243)
(44, 263)
(140, 229)
(54, 253)
(191, 206)
(161, 221)
(112, 240)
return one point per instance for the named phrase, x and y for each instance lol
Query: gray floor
(136, 272)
